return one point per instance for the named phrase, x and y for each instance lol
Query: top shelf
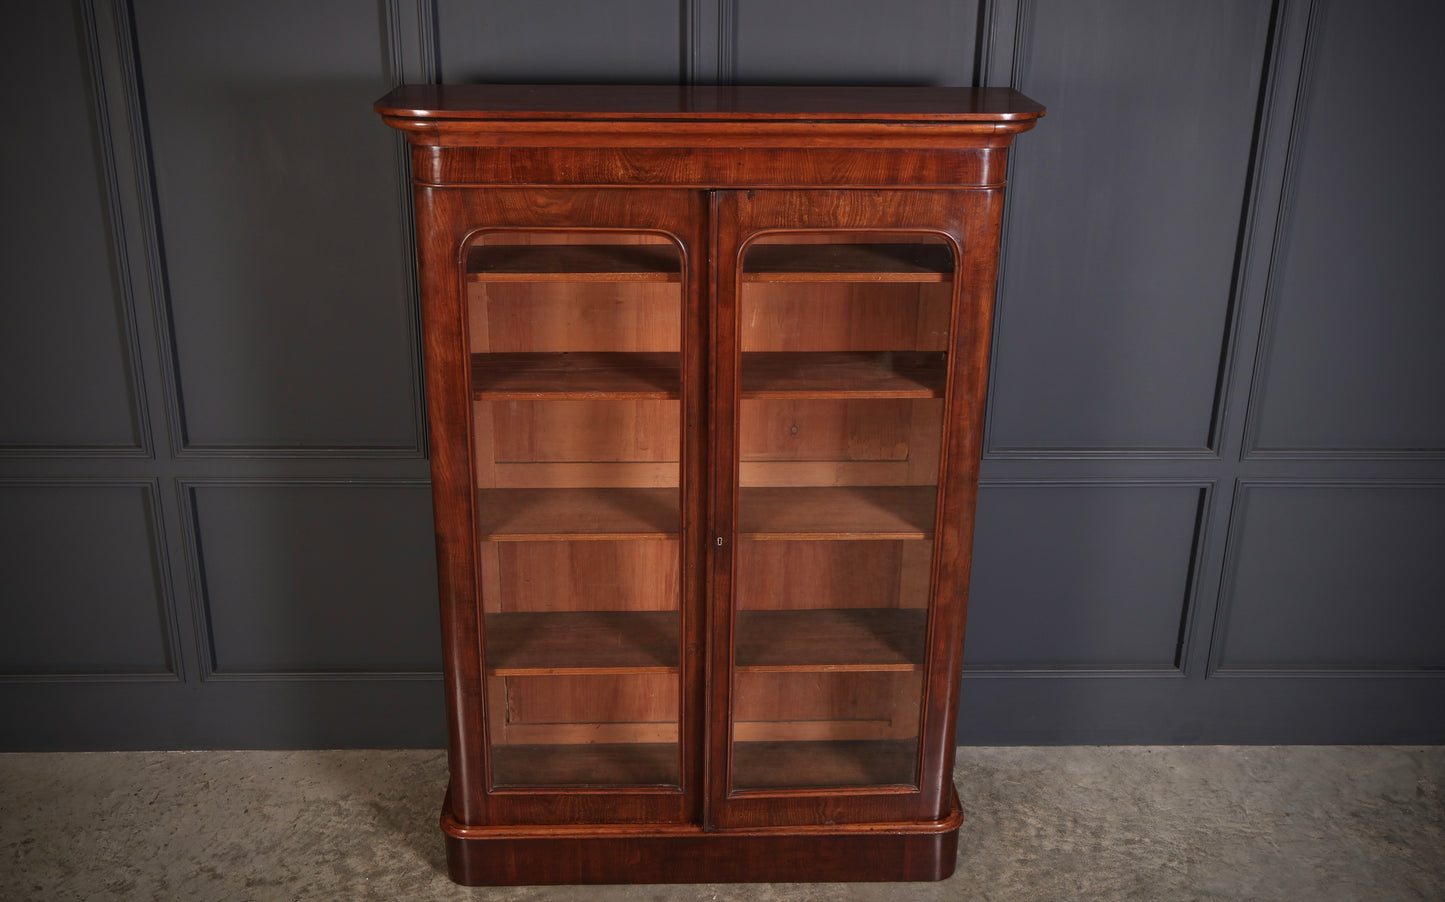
(848, 263)
(573, 263)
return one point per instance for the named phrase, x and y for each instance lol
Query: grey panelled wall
(1213, 494)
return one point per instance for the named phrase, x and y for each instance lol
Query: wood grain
(838, 374)
(573, 263)
(847, 263)
(510, 854)
(540, 577)
(585, 474)
(800, 765)
(596, 764)
(775, 576)
(781, 160)
(840, 316)
(837, 512)
(579, 707)
(576, 513)
(706, 102)
(812, 431)
(855, 639)
(588, 375)
(823, 472)
(565, 430)
(579, 316)
(819, 704)
(582, 642)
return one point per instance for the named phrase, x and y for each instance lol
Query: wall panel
(283, 241)
(1080, 576)
(83, 580)
(305, 578)
(1336, 577)
(1123, 224)
(858, 42)
(1352, 362)
(65, 348)
(623, 41)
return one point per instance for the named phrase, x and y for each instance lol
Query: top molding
(710, 102)
(706, 134)
(441, 110)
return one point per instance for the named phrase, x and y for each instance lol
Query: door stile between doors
(724, 366)
(716, 546)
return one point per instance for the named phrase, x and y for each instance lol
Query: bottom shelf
(819, 765)
(587, 764)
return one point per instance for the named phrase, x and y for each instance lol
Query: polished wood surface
(503, 855)
(847, 263)
(706, 394)
(576, 513)
(836, 512)
(609, 103)
(596, 375)
(572, 263)
(843, 374)
(612, 764)
(866, 639)
(569, 576)
(788, 765)
(796, 155)
(581, 642)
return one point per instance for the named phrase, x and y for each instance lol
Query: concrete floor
(1294, 823)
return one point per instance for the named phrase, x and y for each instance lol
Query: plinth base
(510, 856)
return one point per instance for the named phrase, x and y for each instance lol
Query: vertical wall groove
(120, 256)
(396, 36)
(1022, 35)
(727, 42)
(149, 215)
(430, 59)
(1280, 239)
(1022, 45)
(1249, 216)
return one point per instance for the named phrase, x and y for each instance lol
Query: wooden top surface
(684, 103)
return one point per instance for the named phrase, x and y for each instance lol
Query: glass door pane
(577, 429)
(842, 340)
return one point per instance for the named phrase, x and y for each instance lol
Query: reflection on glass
(843, 343)
(575, 341)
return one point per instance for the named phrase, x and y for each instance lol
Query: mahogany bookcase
(705, 373)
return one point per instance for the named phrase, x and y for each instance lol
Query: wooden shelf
(843, 374)
(587, 764)
(800, 765)
(512, 515)
(836, 512)
(848, 263)
(574, 263)
(578, 375)
(852, 639)
(582, 642)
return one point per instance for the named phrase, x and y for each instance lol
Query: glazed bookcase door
(578, 324)
(845, 350)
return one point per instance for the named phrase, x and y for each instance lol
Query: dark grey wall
(1214, 482)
